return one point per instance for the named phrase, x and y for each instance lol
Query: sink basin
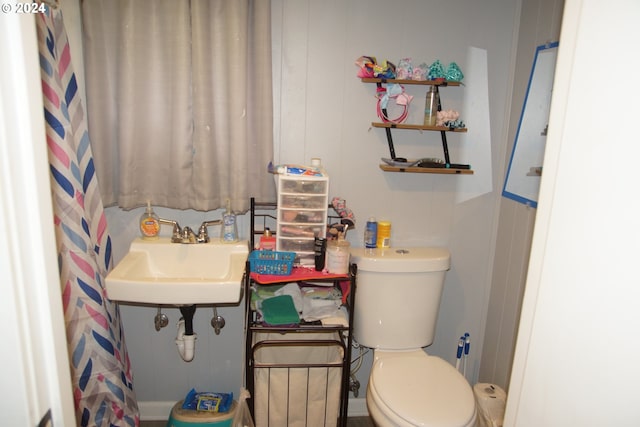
(161, 272)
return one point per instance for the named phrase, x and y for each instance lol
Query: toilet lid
(424, 390)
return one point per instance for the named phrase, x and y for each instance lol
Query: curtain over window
(180, 101)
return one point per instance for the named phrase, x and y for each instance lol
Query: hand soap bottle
(149, 223)
(229, 229)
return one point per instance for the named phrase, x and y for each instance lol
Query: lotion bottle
(149, 223)
(229, 229)
(338, 256)
(267, 240)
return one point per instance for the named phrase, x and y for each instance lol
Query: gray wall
(539, 24)
(323, 110)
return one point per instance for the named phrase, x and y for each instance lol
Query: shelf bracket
(443, 134)
(392, 150)
(445, 147)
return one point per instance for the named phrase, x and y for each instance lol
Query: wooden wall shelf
(413, 169)
(416, 127)
(442, 129)
(410, 82)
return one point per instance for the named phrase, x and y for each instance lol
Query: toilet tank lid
(402, 260)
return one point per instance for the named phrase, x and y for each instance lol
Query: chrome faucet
(186, 235)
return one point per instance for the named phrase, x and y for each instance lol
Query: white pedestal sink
(161, 272)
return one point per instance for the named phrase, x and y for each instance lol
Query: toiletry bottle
(149, 223)
(384, 234)
(338, 256)
(316, 163)
(229, 229)
(267, 240)
(371, 234)
(431, 106)
(320, 252)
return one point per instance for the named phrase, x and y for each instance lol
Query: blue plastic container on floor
(187, 418)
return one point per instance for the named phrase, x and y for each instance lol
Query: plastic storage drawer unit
(302, 214)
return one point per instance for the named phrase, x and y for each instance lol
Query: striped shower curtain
(100, 367)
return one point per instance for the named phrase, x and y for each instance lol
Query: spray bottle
(371, 234)
(229, 229)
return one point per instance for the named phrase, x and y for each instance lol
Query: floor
(351, 422)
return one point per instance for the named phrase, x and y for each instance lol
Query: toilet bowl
(411, 388)
(399, 291)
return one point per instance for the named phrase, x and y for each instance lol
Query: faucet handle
(203, 234)
(176, 234)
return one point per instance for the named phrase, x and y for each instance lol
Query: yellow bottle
(384, 234)
(149, 223)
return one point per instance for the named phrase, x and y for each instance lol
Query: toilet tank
(398, 295)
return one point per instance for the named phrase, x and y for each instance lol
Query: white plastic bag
(242, 417)
(491, 401)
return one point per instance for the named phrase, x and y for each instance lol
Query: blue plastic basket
(272, 262)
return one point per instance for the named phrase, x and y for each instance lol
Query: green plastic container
(187, 418)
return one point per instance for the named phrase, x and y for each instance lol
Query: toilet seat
(414, 389)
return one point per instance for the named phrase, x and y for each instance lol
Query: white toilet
(398, 297)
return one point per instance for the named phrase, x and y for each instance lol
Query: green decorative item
(454, 74)
(436, 70)
(279, 310)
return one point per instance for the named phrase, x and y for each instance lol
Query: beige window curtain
(179, 101)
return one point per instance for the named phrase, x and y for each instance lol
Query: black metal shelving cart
(297, 375)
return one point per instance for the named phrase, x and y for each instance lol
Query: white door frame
(34, 361)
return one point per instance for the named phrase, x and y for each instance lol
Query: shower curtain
(100, 367)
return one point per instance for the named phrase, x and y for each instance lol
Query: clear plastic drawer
(303, 186)
(304, 202)
(302, 216)
(307, 231)
(296, 245)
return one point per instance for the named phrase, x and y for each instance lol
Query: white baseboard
(159, 411)
(155, 410)
(358, 407)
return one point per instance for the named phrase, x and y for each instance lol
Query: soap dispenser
(149, 223)
(229, 229)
